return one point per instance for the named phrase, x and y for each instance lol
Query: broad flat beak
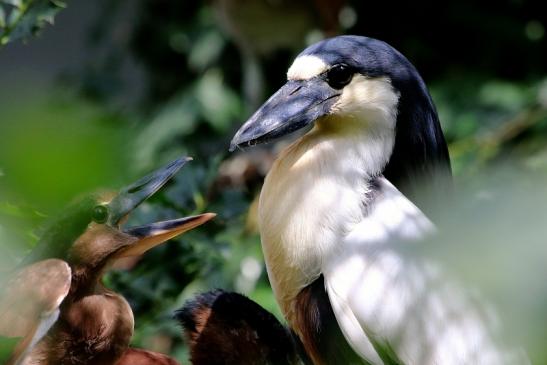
(151, 235)
(295, 105)
(131, 196)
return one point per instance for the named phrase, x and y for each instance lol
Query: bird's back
(93, 329)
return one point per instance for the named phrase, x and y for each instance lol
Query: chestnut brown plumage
(143, 357)
(223, 328)
(57, 302)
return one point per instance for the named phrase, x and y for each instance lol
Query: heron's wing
(395, 308)
(29, 302)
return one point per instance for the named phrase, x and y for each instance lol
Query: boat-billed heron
(334, 221)
(57, 302)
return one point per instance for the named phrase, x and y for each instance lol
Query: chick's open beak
(133, 195)
(153, 234)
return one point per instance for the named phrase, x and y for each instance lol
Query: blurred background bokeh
(96, 93)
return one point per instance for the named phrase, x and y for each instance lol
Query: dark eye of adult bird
(334, 213)
(339, 76)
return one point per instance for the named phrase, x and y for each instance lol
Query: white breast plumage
(384, 297)
(353, 231)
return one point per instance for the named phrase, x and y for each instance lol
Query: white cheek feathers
(369, 99)
(306, 67)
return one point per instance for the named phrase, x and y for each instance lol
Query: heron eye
(339, 76)
(99, 214)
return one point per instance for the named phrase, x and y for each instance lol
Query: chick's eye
(339, 76)
(99, 214)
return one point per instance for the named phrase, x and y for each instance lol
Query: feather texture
(384, 299)
(322, 212)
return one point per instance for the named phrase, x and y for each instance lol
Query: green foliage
(7, 345)
(21, 19)
(58, 148)
(491, 121)
(53, 150)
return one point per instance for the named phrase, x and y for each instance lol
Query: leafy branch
(21, 19)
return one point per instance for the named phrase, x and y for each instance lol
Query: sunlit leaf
(220, 105)
(206, 50)
(2, 17)
(13, 17)
(177, 118)
(59, 3)
(27, 19)
(506, 95)
(16, 3)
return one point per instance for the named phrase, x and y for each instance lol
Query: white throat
(314, 194)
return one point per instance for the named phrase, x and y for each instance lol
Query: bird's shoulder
(30, 301)
(32, 293)
(389, 216)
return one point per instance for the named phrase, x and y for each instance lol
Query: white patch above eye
(306, 67)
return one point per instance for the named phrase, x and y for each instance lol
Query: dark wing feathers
(318, 328)
(239, 330)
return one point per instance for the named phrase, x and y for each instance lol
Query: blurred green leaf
(206, 50)
(58, 149)
(14, 16)
(7, 345)
(220, 105)
(509, 96)
(16, 3)
(2, 17)
(177, 118)
(59, 3)
(17, 211)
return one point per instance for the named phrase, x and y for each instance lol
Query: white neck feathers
(311, 198)
(316, 190)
